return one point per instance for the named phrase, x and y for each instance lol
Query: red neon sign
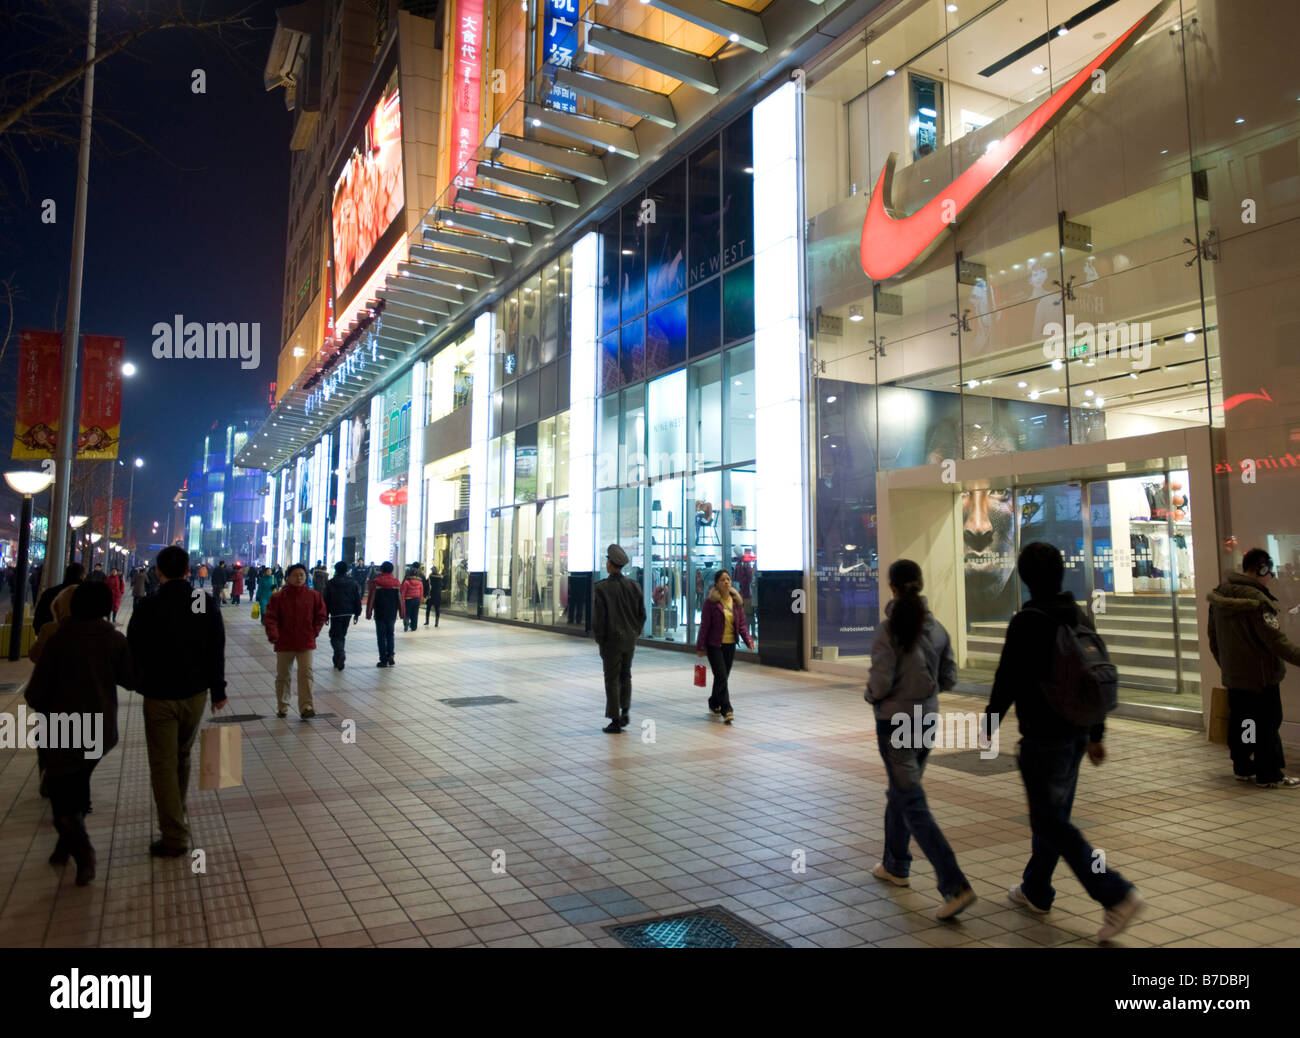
(466, 90)
(393, 497)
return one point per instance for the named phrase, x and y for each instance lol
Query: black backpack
(1083, 685)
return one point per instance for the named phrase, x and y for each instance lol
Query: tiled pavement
(390, 839)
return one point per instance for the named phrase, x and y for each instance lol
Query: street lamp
(76, 522)
(27, 484)
(130, 498)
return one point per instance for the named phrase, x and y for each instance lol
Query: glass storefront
(675, 473)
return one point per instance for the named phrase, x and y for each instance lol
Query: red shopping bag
(700, 675)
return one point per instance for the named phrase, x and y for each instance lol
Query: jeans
(170, 726)
(1051, 771)
(907, 815)
(720, 659)
(412, 619)
(384, 632)
(617, 663)
(338, 637)
(1263, 756)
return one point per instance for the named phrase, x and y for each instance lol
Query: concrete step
(1116, 635)
(1121, 655)
(1153, 678)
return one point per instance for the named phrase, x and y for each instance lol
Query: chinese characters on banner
(466, 91)
(98, 519)
(101, 397)
(36, 414)
(559, 41)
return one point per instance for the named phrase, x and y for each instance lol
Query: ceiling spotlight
(1038, 70)
(831, 399)
(1100, 401)
(537, 122)
(1189, 337)
(611, 149)
(890, 72)
(1033, 394)
(1239, 120)
(734, 37)
(1062, 31)
(876, 61)
(855, 313)
(1089, 392)
(1057, 365)
(510, 241)
(1021, 385)
(973, 384)
(952, 8)
(1133, 375)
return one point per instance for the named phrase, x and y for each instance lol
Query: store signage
(1241, 398)
(393, 497)
(890, 245)
(365, 351)
(559, 41)
(466, 90)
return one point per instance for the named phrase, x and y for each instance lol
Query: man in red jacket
(294, 618)
(384, 602)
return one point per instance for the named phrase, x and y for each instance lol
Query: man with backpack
(1055, 669)
(1248, 645)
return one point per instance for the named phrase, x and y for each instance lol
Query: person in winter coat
(384, 602)
(220, 577)
(73, 575)
(433, 596)
(78, 672)
(152, 582)
(1248, 645)
(343, 604)
(203, 574)
(412, 592)
(117, 587)
(911, 663)
(265, 589)
(293, 620)
(319, 577)
(138, 588)
(722, 622)
(237, 584)
(278, 574)
(617, 620)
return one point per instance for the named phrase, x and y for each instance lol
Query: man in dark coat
(617, 620)
(72, 576)
(343, 603)
(1249, 647)
(178, 644)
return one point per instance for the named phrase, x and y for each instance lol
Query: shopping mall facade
(803, 289)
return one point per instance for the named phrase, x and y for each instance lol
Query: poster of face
(369, 194)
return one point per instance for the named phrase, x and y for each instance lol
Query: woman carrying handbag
(721, 621)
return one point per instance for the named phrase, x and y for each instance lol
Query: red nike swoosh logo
(1241, 398)
(891, 245)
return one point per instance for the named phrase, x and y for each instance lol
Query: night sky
(197, 230)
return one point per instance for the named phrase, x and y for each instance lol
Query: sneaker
(281, 712)
(1016, 895)
(1117, 918)
(613, 728)
(729, 717)
(382, 663)
(964, 898)
(307, 713)
(1285, 782)
(880, 872)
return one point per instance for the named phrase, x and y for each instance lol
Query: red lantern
(393, 497)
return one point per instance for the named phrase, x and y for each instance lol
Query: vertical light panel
(582, 404)
(415, 471)
(297, 544)
(317, 530)
(262, 550)
(340, 508)
(281, 498)
(779, 364)
(478, 442)
(378, 521)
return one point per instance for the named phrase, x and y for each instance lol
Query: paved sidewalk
(390, 839)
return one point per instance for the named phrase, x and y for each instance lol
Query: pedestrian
(1052, 746)
(138, 589)
(911, 663)
(433, 595)
(412, 592)
(278, 574)
(178, 643)
(384, 602)
(265, 590)
(293, 620)
(319, 577)
(617, 620)
(722, 622)
(78, 671)
(343, 604)
(34, 580)
(116, 586)
(203, 574)
(97, 574)
(1248, 645)
(236, 584)
(151, 581)
(73, 575)
(219, 578)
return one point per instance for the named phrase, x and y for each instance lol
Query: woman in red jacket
(294, 618)
(116, 585)
(721, 621)
(237, 585)
(412, 593)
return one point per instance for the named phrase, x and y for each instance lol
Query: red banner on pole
(466, 90)
(40, 373)
(99, 518)
(101, 397)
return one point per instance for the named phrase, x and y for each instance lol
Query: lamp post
(27, 484)
(130, 506)
(94, 539)
(76, 522)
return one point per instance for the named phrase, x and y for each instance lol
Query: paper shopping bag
(221, 758)
(700, 675)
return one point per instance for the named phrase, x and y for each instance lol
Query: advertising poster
(100, 426)
(119, 517)
(466, 90)
(369, 193)
(36, 414)
(396, 457)
(559, 43)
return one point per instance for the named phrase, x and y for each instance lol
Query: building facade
(797, 290)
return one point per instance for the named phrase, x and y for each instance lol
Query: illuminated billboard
(369, 194)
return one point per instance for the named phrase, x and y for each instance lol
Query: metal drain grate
(236, 718)
(972, 764)
(711, 927)
(477, 701)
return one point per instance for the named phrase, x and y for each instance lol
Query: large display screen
(369, 193)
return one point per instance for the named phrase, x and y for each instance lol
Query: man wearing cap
(617, 620)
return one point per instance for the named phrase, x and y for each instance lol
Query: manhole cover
(972, 764)
(477, 701)
(236, 718)
(703, 928)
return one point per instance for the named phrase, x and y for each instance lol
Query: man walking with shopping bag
(179, 645)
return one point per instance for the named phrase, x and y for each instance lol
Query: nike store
(1050, 280)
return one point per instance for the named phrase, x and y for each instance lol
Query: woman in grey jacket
(911, 662)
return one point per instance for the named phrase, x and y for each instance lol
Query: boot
(79, 845)
(62, 849)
